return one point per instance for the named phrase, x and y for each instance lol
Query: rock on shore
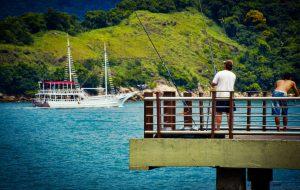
(7, 98)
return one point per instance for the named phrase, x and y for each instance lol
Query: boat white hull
(87, 102)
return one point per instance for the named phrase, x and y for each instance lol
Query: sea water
(88, 149)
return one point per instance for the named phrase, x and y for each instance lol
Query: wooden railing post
(148, 115)
(187, 111)
(264, 119)
(213, 113)
(170, 110)
(231, 105)
(158, 113)
(248, 112)
(201, 112)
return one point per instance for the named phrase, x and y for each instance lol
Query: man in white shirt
(223, 81)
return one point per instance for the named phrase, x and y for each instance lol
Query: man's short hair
(287, 76)
(228, 64)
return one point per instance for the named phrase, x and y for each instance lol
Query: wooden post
(188, 111)
(201, 112)
(170, 110)
(231, 104)
(213, 113)
(158, 113)
(248, 112)
(148, 115)
(264, 119)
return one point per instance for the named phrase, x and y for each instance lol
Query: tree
(115, 16)
(95, 19)
(127, 5)
(166, 6)
(21, 78)
(253, 87)
(62, 21)
(254, 17)
(13, 30)
(231, 26)
(35, 22)
(182, 4)
(57, 21)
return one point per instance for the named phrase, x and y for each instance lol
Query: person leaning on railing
(282, 87)
(224, 81)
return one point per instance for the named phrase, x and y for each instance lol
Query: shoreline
(7, 99)
(138, 97)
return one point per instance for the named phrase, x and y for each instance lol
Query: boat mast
(70, 72)
(69, 60)
(105, 68)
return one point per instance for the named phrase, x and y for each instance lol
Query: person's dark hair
(228, 64)
(287, 76)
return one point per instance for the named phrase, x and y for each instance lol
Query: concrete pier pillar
(260, 178)
(231, 178)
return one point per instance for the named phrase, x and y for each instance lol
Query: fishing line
(163, 63)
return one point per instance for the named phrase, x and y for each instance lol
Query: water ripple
(88, 149)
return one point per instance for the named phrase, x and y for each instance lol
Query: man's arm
(215, 81)
(295, 89)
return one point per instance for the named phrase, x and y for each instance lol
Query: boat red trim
(60, 82)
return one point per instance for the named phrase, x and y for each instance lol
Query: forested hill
(179, 37)
(78, 7)
(262, 37)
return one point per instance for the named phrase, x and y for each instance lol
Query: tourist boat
(69, 94)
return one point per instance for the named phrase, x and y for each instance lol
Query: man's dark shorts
(223, 106)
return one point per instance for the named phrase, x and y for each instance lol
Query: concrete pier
(178, 135)
(231, 153)
(231, 158)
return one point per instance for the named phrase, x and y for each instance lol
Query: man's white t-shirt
(225, 82)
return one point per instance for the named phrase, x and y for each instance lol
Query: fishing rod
(163, 64)
(211, 59)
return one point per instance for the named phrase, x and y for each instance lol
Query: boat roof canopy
(60, 82)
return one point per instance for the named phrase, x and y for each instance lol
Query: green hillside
(180, 38)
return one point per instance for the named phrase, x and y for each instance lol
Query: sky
(76, 7)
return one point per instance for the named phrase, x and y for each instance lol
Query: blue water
(88, 149)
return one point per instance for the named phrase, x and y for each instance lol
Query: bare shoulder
(279, 81)
(292, 83)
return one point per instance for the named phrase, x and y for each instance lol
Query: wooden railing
(167, 115)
